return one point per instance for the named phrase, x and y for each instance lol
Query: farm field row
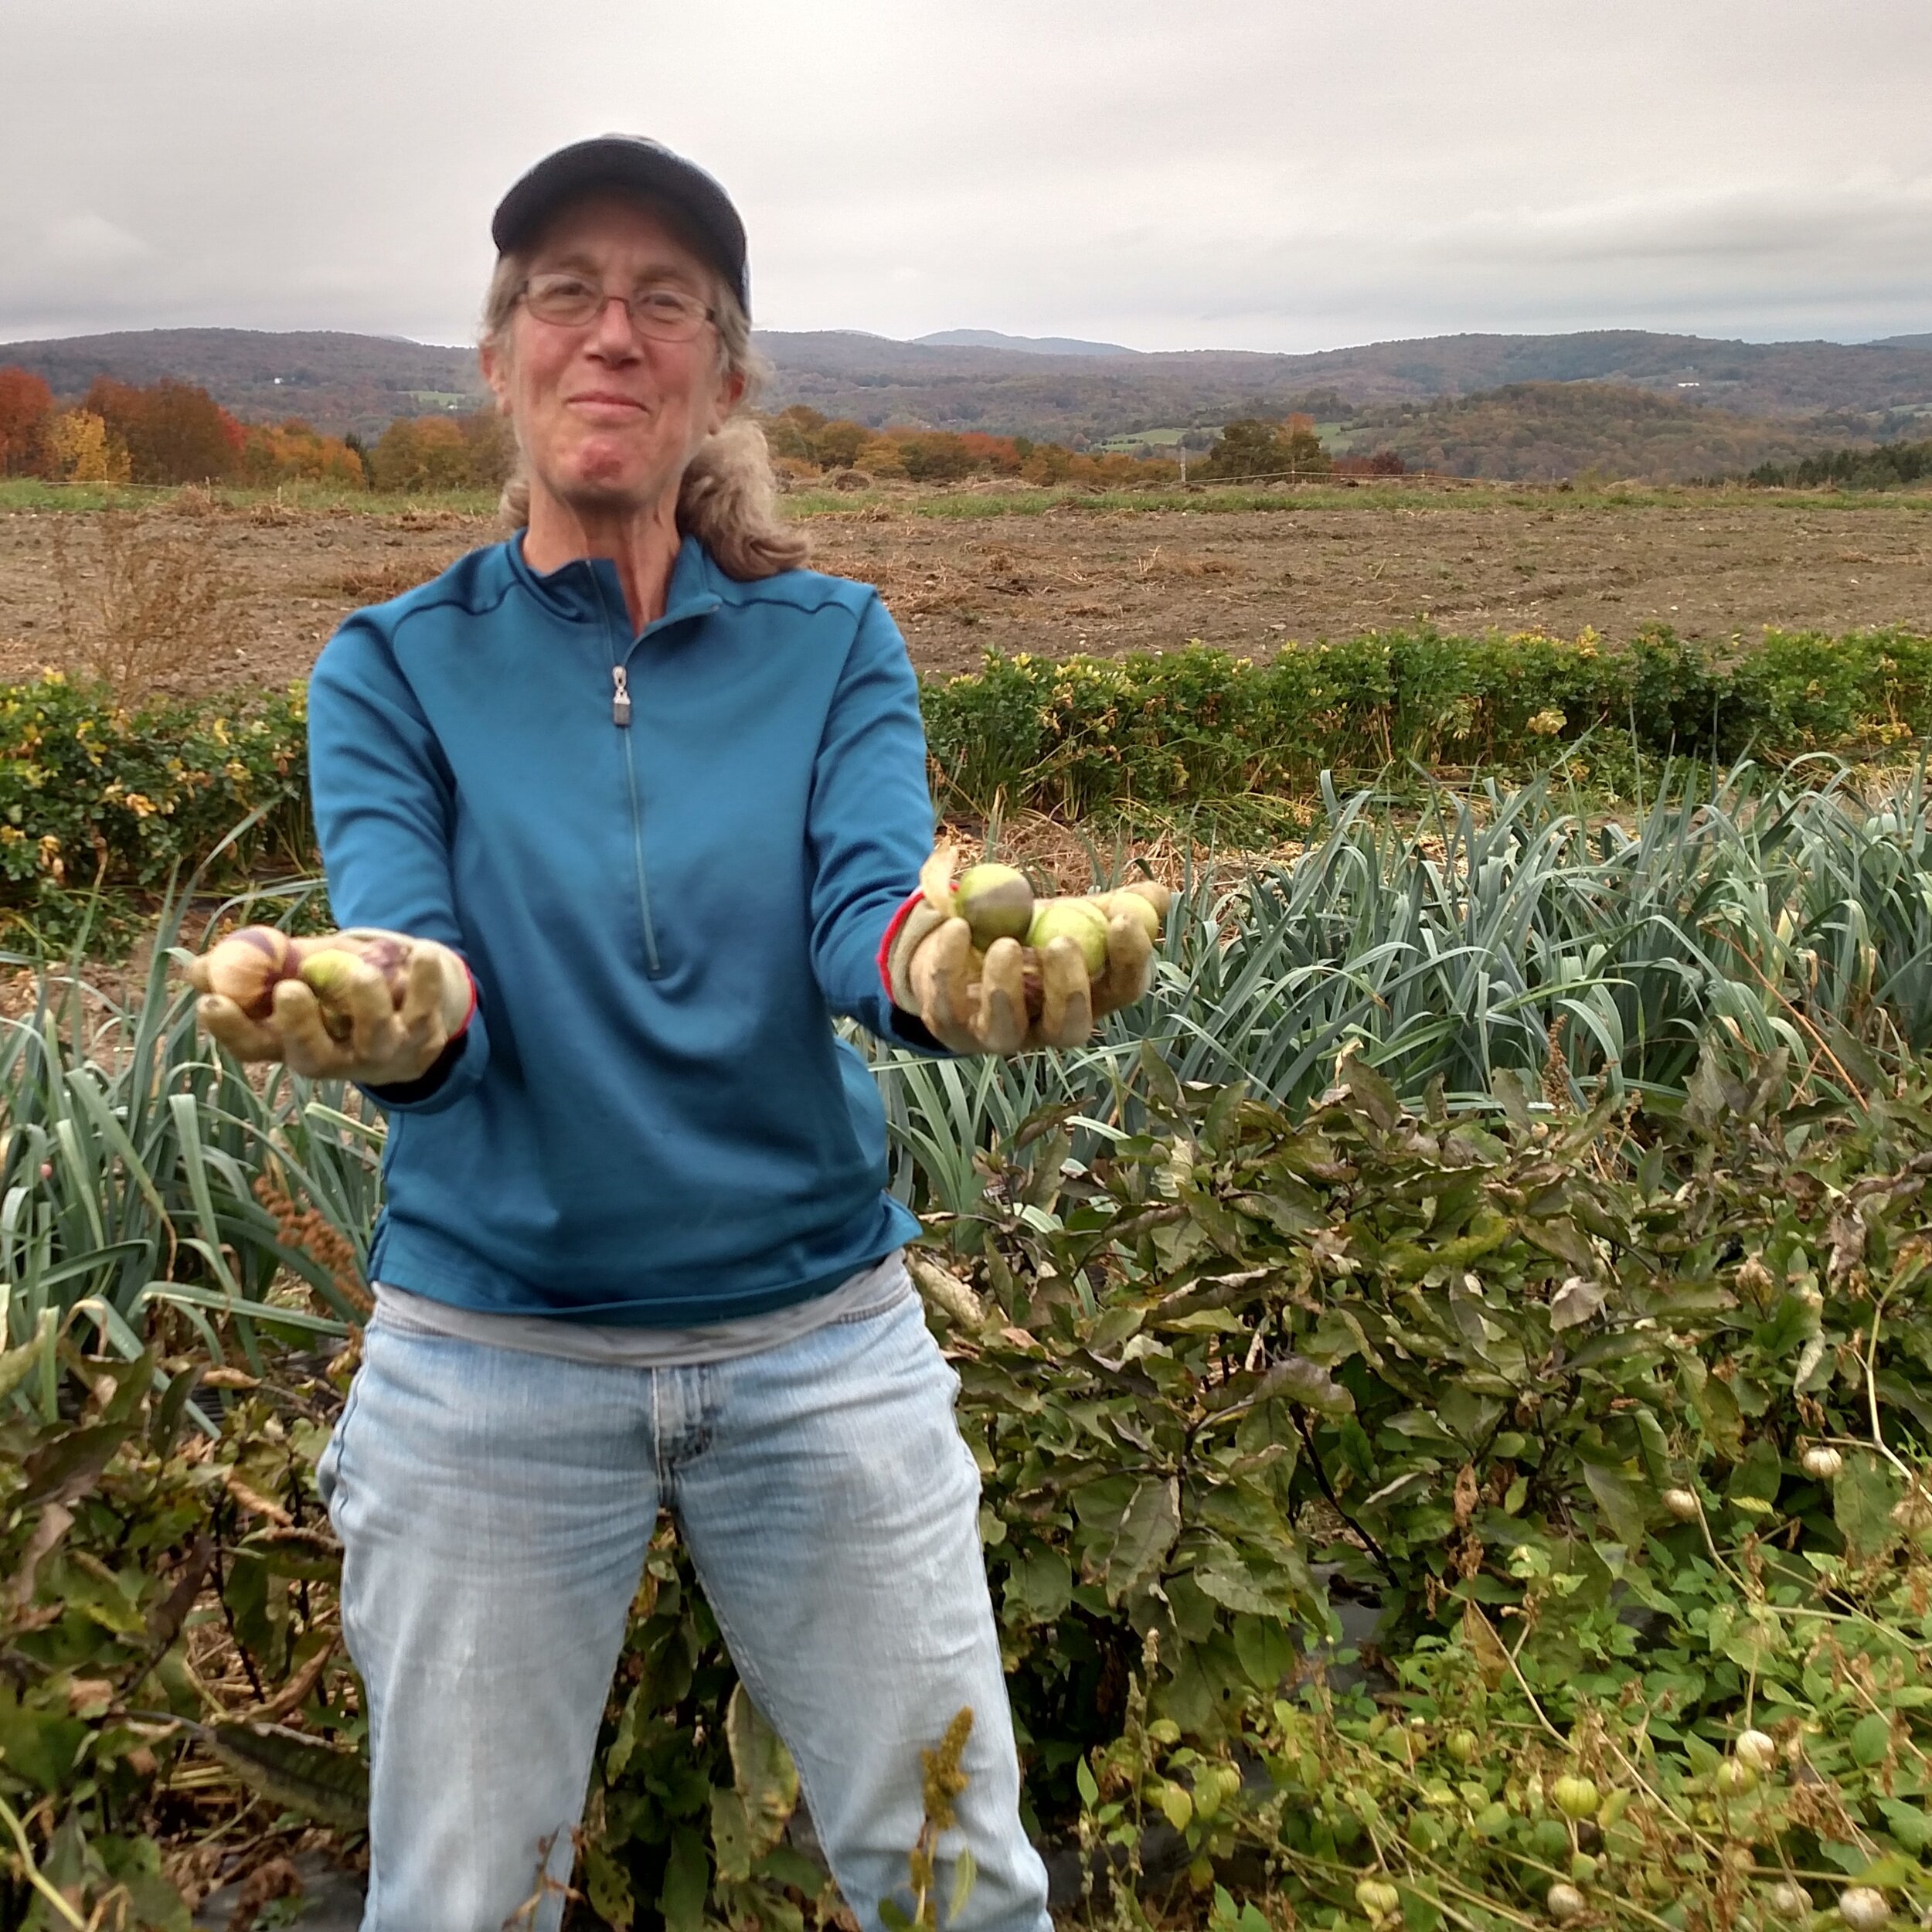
(965, 573)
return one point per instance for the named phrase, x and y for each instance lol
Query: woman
(643, 804)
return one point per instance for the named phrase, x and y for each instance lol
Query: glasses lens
(667, 313)
(567, 299)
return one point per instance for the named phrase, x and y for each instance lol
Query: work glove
(373, 1007)
(1081, 958)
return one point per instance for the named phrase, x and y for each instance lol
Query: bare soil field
(1073, 578)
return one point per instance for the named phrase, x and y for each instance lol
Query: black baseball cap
(644, 166)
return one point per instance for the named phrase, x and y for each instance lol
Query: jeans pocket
(329, 1465)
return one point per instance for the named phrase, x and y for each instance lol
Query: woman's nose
(613, 333)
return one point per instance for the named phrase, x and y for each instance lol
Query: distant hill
(1803, 396)
(1025, 345)
(1865, 389)
(336, 381)
(1530, 432)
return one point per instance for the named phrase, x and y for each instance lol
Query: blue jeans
(494, 1508)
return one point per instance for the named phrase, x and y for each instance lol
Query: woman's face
(608, 418)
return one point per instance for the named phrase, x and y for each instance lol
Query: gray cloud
(1253, 173)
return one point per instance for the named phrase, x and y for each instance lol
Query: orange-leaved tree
(297, 451)
(443, 453)
(174, 432)
(26, 415)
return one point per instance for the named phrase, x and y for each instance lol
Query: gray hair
(728, 498)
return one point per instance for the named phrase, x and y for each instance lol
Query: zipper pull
(620, 695)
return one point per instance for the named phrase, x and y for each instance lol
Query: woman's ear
(731, 393)
(496, 374)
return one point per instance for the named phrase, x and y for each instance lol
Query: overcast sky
(1257, 173)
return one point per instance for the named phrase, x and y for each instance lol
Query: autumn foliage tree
(84, 452)
(296, 451)
(802, 441)
(26, 417)
(173, 432)
(472, 452)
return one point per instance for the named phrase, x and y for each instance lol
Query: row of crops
(1504, 1234)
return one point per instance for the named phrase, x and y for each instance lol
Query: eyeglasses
(663, 314)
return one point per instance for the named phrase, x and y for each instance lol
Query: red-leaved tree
(175, 432)
(26, 415)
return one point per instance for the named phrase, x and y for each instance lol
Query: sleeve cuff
(894, 928)
(426, 1086)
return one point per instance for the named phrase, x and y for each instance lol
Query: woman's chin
(611, 477)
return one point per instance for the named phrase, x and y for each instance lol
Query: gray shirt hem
(871, 1291)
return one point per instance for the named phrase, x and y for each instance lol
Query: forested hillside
(1528, 432)
(1627, 402)
(1864, 389)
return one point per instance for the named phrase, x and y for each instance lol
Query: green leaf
(1707, 1098)
(1754, 1482)
(687, 1878)
(1039, 1586)
(1506, 1084)
(1862, 1500)
(17, 1364)
(1890, 1869)
(1147, 1529)
(67, 1467)
(1273, 1597)
(1871, 1737)
(328, 1785)
(1419, 1912)
(730, 1834)
(1618, 1497)
(784, 1866)
(1909, 1823)
(609, 1885)
(1370, 1091)
(965, 1874)
(1717, 1411)
(40, 1746)
(1267, 1649)
(1304, 1382)
(1083, 1777)
(766, 1779)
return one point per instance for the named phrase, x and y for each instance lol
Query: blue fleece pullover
(651, 1119)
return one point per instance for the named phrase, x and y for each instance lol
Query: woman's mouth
(605, 405)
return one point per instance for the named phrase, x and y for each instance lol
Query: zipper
(621, 719)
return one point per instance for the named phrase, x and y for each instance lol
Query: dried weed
(377, 583)
(1153, 566)
(159, 600)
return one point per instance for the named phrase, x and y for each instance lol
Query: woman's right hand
(373, 1007)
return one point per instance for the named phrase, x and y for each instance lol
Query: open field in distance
(966, 572)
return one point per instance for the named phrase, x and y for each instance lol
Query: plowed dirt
(1076, 579)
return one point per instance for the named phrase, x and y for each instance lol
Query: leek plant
(131, 1154)
(1508, 935)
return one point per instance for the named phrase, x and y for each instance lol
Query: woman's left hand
(1013, 998)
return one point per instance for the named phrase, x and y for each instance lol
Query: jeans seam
(399, 1323)
(866, 1315)
(338, 1440)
